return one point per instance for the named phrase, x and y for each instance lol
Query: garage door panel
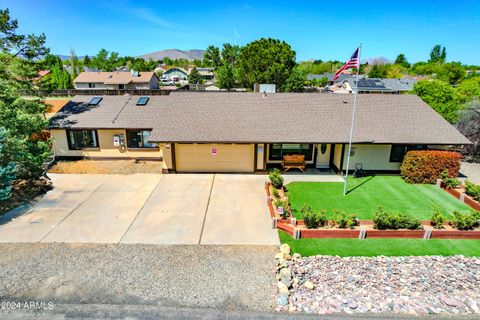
(229, 158)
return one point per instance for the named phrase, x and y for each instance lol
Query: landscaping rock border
(403, 285)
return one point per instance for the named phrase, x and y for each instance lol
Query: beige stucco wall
(337, 155)
(106, 147)
(372, 157)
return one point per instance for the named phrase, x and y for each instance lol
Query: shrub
(437, 219)
(443, 175)
(276, 178)
(384, 220)
(275, 193)
(284, 205)
(451, 182)
(342, 220)
(464, 221)
(425, 166)
(472, 189)
(313, 219)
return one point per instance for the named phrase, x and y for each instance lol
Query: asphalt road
(82, 311)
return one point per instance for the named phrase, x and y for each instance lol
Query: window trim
(71, 147)
(138, 148)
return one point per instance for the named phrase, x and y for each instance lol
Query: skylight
(94, 101)
(142, 101)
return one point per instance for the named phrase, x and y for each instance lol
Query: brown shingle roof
(280, 117)
(116, 77)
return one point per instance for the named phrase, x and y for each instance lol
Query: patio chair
(358, 173)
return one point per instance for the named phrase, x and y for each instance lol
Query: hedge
(425, 166)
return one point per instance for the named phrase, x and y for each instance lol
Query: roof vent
(95, 101)
(142, 101)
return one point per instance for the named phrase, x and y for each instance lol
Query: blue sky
(315, 29)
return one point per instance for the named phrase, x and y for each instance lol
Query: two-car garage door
(214, 157)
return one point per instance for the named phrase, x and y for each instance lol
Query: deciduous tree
(402, 60)
(438, 54)
(441, 97)
(212, 57)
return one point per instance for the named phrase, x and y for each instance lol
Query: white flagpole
(353, 122)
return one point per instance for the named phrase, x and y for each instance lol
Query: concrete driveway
(149, 209)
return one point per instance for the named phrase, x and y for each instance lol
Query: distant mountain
(65, 57)
(192, 54)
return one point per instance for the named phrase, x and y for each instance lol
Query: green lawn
(365, 195)
(377, 247)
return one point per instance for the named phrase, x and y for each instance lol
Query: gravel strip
(232, 277)
(402, 285)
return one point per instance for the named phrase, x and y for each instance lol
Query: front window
(278, 150)
(139, 139)
(91, 85)
(398, 151)
(81, 139)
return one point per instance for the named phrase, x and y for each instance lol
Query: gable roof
(117, 77)
(252, 117)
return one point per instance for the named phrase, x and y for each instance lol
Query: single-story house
(175, 74)
(116, 80)
(378, 85)
(207, 74)
(248, 132)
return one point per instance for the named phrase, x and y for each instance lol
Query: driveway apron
(175, 211)
(69, 192)
(106, 215)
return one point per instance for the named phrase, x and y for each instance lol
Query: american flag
(352, 63)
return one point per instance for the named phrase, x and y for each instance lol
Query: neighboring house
(248, 132)
(116, 80)
(373, 85)
(175, 74)
(342, 77)
(206, 74)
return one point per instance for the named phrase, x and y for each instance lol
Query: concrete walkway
(470, 171)
(149, 209)
(311, 175)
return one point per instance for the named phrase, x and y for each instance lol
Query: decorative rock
(282, 300)
(352, 305)
(404, 285)
(449, 302)
(284, 290)
(285, 248)
(285, 273)
(309, 285)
